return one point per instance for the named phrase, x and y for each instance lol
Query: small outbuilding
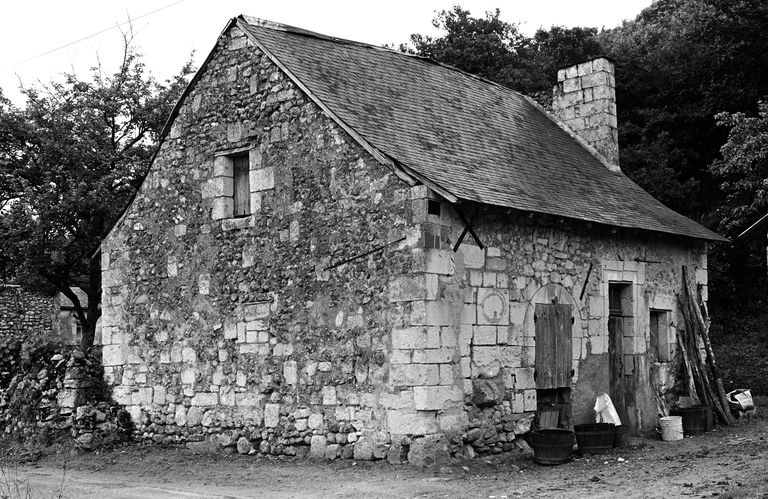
(341, 249)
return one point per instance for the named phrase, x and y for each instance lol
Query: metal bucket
(671, 428)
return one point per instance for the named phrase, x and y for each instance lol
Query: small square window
(241, 185)
(433, 207)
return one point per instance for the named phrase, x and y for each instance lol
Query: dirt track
(730, 462)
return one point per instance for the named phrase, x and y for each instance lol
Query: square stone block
(409, 338)
(428, 398)
(113, 355)
(439, 313)
(223, 207)
(474, 257)
(439, 261)
(404, 422)
(517, 312)
(262, 179)
(414, 374)
(484, 335)
(529, 401)
(524, 378)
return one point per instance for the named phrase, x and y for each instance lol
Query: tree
(482, 46)
(70, 160)
(678, 64)
(553, 49)
(743, 169)
(496, 50)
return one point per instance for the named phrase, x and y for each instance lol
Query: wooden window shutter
(553, 345)
(242, 189)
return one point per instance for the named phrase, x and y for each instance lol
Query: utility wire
(97, 33)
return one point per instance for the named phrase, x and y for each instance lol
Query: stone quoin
(342, 251)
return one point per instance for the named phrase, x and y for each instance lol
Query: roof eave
(704, 234)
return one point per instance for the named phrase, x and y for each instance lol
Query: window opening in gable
(241, 185)
(433, 207)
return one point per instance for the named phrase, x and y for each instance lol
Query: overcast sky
(171, 29)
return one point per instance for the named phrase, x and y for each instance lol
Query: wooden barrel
(694, 418)
(551, 446)
(594, 438)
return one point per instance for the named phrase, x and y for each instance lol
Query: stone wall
(27, 313)
(61, 398)
(247, 328)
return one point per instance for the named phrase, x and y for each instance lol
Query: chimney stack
(585, 100)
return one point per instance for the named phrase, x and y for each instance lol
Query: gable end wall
(214, 325)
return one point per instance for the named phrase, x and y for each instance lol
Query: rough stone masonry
(252, 334)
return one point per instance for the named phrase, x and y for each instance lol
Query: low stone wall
(62, 400)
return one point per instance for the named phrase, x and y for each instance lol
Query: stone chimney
(585, 100)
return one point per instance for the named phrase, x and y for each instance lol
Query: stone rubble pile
(65, 398)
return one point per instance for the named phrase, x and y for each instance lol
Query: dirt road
(729, 462)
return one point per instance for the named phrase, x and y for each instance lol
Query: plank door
(618, 388)
(553, 345)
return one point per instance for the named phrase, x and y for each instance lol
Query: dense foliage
(678, 65)
(496, 50)
(69, 161)
(742, 171)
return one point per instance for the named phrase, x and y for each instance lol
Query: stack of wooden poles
(704, 382)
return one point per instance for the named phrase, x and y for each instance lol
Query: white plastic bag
(605, 412)
(741, 399)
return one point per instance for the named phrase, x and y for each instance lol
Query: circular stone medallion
(494, 306)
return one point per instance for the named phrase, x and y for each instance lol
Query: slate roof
(477, 140)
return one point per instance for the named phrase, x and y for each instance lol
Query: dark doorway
(620, 332)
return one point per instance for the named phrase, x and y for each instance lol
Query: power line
(97, 33)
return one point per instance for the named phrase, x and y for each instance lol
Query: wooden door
(553, 345)
(616, 367)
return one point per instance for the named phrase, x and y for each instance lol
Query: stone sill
(229, 224)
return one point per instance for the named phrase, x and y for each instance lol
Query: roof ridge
(266, 23)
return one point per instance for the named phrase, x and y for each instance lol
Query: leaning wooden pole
(705, 321)
(691, 385)
(704, 369)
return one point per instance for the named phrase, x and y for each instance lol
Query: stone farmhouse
(344, 250)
